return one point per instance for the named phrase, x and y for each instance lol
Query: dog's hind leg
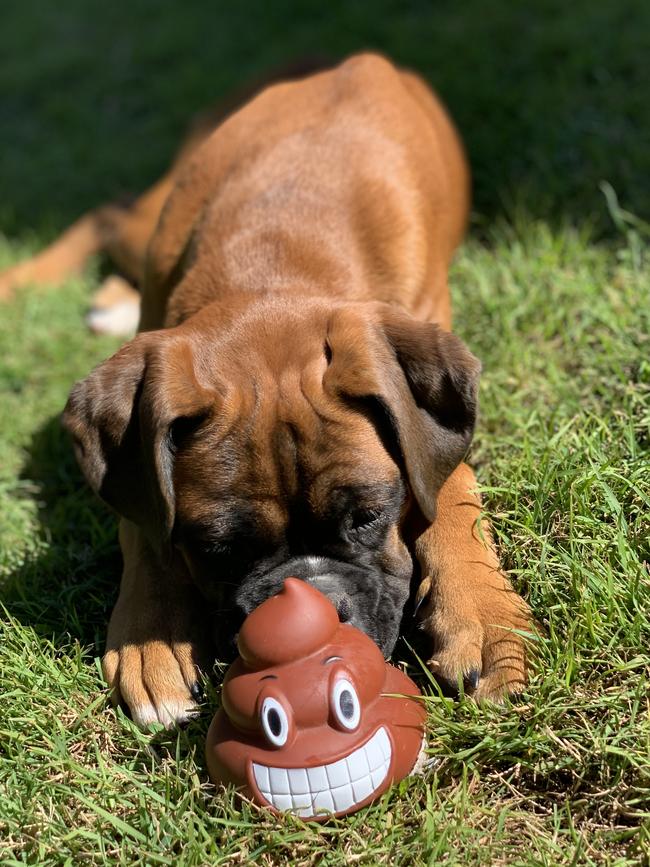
(115, 308)
(62, 259)
(122, 233)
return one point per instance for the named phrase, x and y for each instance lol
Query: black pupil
(346, 703)
(274, 721)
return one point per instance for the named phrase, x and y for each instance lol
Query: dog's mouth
(331, 788)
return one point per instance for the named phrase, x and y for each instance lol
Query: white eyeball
(274, 722)
(345, 704)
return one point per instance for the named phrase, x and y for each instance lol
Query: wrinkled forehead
(345, 457)
(281, 441)
(235, 513)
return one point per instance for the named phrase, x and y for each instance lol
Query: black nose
(329, 585)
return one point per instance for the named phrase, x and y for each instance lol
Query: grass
(551, 290)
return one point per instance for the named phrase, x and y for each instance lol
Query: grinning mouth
(331, 788)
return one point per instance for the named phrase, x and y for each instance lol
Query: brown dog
(295, 403)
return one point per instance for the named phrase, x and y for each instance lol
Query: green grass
(551, 291)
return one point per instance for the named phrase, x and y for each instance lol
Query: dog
(295, 402)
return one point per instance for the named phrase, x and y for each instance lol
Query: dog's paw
(484, 651)
(153, 656)
(115, 308)
(157, 681)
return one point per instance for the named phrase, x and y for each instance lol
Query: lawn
(551, 290)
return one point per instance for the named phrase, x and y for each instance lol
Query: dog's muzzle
(362, 596)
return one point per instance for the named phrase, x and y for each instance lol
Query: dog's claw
(420, 602)
(472, 678)
(196, 691)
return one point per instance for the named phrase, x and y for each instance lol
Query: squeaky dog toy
(313, 720)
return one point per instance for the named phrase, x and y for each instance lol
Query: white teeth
(283, 802)
(337, 774)
(331, 788)
(384, 743)
(374, 753)
(318, 781)
(362, 788)
(298, 782)
(279, 781)
(262, 777)
(343, 798)
(322, 803)
(302, 804)
(377, 777)
(357, 765)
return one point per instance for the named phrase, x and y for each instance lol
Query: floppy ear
(122, 418)
(423, 379)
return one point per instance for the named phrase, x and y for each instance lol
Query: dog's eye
(363, 519)
(225, 549)
(275, 723)
(222, 549)
(345, 704)
(182, 428)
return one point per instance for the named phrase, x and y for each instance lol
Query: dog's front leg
(156, 637)
(466, 603)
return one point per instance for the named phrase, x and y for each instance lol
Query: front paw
(158, 679)
(477, 643)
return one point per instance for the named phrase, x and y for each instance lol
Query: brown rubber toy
(313, 720)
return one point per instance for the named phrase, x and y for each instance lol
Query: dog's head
(284, 441)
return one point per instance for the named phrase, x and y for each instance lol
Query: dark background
(551, 97)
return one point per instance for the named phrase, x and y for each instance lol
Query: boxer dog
(295, 402)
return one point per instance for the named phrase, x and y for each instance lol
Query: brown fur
(296, 278)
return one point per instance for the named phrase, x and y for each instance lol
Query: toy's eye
(345, 704)
(274, 722)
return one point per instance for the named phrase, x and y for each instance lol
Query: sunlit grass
(558, 313)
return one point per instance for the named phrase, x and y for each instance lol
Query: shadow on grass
(550, 97)
(68, 589)
(66, 593)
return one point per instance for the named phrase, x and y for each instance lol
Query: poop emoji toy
(313, 720)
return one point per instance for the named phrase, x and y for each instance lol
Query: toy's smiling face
(319, 733)
(335, 787)
(314, 742)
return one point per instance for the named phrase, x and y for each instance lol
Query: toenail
(196, 691)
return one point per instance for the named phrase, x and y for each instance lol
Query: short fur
(296, 402)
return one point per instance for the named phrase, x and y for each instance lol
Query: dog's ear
(122, 419)
(423, 380)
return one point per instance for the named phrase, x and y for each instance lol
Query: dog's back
(352, 179)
